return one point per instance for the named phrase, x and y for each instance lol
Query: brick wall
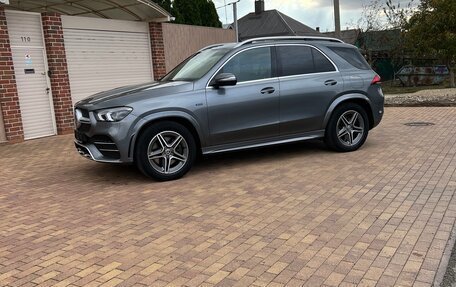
(158, 50)
(57, 63)
(9, 99)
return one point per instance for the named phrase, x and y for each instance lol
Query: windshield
(196, 66)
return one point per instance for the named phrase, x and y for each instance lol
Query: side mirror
(224, 79)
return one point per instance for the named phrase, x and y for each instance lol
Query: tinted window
(253, 64)
(299, 60)
(322, 64)
(353, 56)
(294, 60)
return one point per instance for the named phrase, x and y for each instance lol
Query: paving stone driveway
(290, 215)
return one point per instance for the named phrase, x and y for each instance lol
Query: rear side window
(295, 60)
(352, 56)
(322, 64)
(300, 60)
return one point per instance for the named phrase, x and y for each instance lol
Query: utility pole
(226, 12)
(235, 20)
(337, 18)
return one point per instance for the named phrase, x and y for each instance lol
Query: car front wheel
(347, 128)
(165, 151)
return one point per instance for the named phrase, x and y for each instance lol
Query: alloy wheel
(350, 128)
(168, 152)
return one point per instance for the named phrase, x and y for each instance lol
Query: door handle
(330, 82)
(268, 90)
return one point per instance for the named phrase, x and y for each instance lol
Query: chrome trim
(311, 135)
(283, 77)
(79, 118)
(92, 157)
(103, 143)
(82, 153)
(304, 75)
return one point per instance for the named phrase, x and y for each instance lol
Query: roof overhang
(134, 10)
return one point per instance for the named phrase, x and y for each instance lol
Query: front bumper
(90, 151)
(103, 141)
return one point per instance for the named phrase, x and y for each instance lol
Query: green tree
(431, 31)
(187, 12)
(209, 14)
(165, 4)
(195, 12)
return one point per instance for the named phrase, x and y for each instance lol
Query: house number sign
(26, 39)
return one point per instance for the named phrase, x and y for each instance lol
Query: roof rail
(279, 38)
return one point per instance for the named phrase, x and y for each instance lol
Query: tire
(342, 134)
(165, 151)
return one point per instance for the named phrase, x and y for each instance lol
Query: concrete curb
(423, 98)
(410, 101)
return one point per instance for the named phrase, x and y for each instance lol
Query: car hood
(133, 93)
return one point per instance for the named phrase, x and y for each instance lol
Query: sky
(313, 13)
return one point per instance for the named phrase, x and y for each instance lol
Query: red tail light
(376, 80)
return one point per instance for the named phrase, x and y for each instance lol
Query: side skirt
(264, 142)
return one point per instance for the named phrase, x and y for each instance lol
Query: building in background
(349, 36)
(263, 23)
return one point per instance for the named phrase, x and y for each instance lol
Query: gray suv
(234, 96)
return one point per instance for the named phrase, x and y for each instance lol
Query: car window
(352, 56)
(249, 65)
(196, 66)
(322, 64)
(294, 60)
(299, 60)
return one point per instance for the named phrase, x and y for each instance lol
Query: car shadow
(123, 174)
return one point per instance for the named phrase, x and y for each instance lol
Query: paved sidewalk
(291, 215)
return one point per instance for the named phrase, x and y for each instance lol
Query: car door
(248, 110)
(309, 82)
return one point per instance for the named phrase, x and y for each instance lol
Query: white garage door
(30, 69)
(104, 54)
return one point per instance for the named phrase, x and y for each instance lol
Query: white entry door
(30, 68)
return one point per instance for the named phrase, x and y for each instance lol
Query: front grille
(106, 146)
(84, 120)
(85, 113)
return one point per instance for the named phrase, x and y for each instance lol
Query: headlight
(113, 114)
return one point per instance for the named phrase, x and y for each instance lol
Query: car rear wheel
(165, 151)
(347, 128)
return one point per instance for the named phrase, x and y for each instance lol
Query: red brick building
(53, 55)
